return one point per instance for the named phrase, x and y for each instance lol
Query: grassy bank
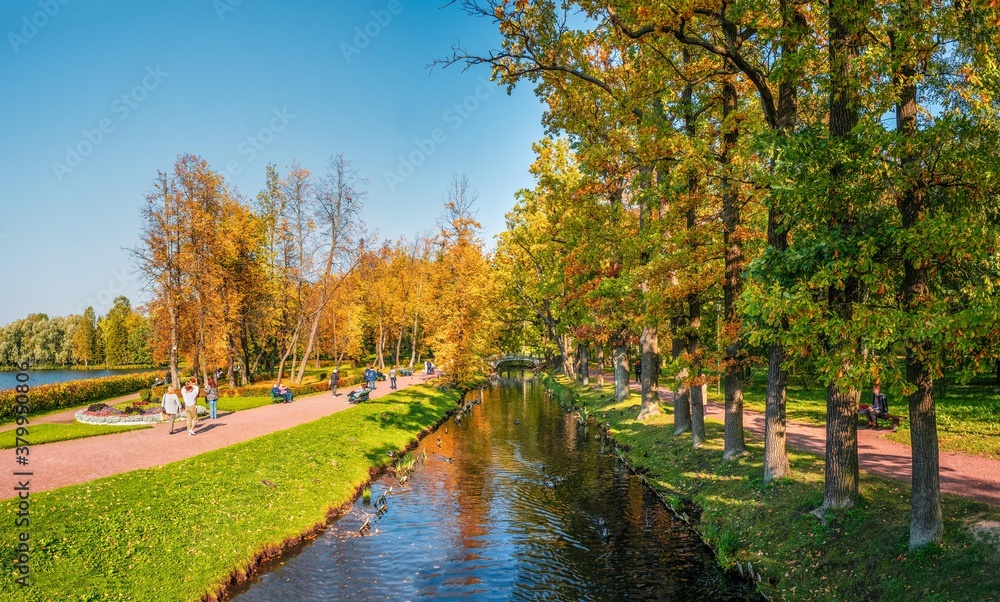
(51, 433)
(860, 554)
(179, 532)
(968, 415)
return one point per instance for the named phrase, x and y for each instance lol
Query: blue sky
(128, 86)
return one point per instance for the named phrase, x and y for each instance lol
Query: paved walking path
(70, 462)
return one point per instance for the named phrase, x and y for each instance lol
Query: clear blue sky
(242, 83)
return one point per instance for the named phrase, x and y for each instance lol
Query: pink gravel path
(967, 476)
(70, 462)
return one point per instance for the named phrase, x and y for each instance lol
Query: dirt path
(70, 462)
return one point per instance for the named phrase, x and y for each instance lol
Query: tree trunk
(399, 345)
(682, 397)
(309, 347)
(380, 341)
(841, 483)
(775, 444)
(172, 311)
(649, 347)
(600, 366)
(622, 372)
(567, 359)
(413, 344)
(698, 395)
(584, 365)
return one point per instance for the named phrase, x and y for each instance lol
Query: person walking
(638, 370)
(212, 397)
(190, 394)
(171, 406)
(334, 381)
(392, 378)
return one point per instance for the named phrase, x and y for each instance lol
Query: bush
(74, 393)
(97, 407)
(145, 395)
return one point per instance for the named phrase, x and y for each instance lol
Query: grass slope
(178, 532)
(860, 554)
(50, 433)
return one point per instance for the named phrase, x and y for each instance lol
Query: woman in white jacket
(171, 405)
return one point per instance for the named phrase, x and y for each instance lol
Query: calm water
(46, 377)
(517, 502)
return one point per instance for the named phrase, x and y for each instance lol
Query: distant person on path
(212, 397)
(171, 406)
(167, 379)
(638, 370)
(878, 409)
(334, 381)
(427, 367)
(370, 378)
(392, 378)
(190, 394)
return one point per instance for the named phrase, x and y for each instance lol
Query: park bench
(358, 395)
(894, 419)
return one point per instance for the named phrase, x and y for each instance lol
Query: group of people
(429, 367)
(172, 404)
(372, 376)
(280, 390)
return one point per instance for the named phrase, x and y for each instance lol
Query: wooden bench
(895, 419)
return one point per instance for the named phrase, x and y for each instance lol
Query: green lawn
(50, 433)
(859, 554)
(968, 416)
(179, 531)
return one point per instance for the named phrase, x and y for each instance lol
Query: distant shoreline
(83, 369)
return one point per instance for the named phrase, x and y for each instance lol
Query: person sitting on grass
(878, 409)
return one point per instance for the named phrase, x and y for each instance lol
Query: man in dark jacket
(334, 381)
(878, 409)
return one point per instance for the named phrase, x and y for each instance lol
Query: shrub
(74, 393)
(145, 395)
(97, 407)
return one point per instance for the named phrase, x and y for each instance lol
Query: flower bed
(76, 392)
(138, 413)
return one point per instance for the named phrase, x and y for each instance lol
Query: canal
(517, 501)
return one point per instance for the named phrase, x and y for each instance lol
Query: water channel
(516, 502)
(8, 379)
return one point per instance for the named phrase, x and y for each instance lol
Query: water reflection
(516, 502)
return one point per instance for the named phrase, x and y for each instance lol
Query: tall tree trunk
(172, 311)
(649, 347)
(926, 522)
(697, 387)
(622, 372)
(287, 352)
(841, 482)
(735, 446)
(776, 466)
(584, 364)
(567, 357)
